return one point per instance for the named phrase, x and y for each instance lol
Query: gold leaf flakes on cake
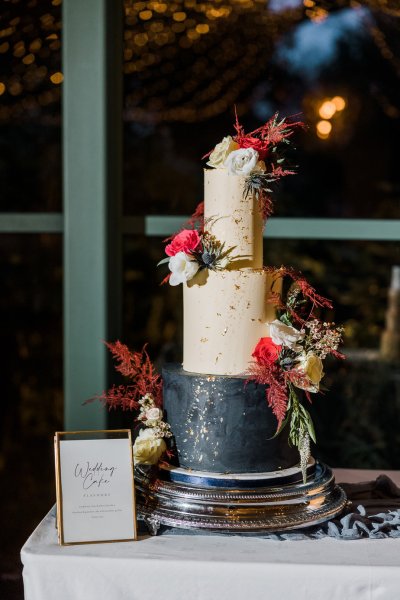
(237, 287)
(204, 340)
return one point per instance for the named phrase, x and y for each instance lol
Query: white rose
(153, 414)
(242, 162)
(182, 268)
(311, 366)
(285, 335)
(148, 449)
(219, 154)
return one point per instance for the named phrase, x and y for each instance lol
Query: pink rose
(185, 241)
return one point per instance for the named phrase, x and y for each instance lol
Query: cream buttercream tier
(225, 315)
(232, 218)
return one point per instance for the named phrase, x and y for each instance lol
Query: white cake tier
(225, 315)
(233, 219)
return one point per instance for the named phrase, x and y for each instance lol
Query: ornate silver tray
(228, 503)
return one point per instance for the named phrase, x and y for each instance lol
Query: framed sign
(95, 486)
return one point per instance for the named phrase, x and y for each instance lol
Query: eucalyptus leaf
(311, 431)
(282, 426)
(285, 319)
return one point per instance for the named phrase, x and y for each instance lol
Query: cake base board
(274, 505)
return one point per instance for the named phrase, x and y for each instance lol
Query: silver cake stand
(262, 502)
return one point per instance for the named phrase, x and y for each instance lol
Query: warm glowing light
(339, 102)
(202, 28)
(160, 7)
(57, 78)
(179, 16)
(145, 15)
(141, 39)
(28, 59)
(327, 109)
(35, 45)
(15, 88)
(324, 128)
(2, 88)
(193, 34)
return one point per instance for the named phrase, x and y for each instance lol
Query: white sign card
(95, 487)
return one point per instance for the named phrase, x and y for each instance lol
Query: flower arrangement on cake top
(190, 251)
(291, 359)
(258, 157)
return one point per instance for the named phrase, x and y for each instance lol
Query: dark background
(186, 64)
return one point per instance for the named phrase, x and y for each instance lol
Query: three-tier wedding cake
(230, 424)
(219, 417)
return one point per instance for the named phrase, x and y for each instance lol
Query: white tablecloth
(197, 567)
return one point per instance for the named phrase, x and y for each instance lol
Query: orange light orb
(327, 110)
(324, 129)
(339, 102)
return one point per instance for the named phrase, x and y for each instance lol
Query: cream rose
(221, 151)
(182, 268)
(148, 449)
(153, 415)
(242, 161)
(285, 335)
(311, 366)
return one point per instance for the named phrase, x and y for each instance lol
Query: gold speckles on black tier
(223, 425)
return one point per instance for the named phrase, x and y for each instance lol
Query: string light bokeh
(184, 60)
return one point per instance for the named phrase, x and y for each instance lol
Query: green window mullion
(92, 99)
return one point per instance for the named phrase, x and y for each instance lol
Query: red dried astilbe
(306, 289)
(278, 172)
(120, 396)
(265, 205)
(273, 131)
(276, 391)
(196, 221)
(138, 367)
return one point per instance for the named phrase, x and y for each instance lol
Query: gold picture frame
(103, 435)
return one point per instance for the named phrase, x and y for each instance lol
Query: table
(213, 567)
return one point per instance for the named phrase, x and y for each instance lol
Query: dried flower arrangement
(144, 395)
(259, 157)
(291, 359)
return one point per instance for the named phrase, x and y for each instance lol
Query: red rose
(185, 241)
(266, 352)
(252, 142)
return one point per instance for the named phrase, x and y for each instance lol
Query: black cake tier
(223, 425)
